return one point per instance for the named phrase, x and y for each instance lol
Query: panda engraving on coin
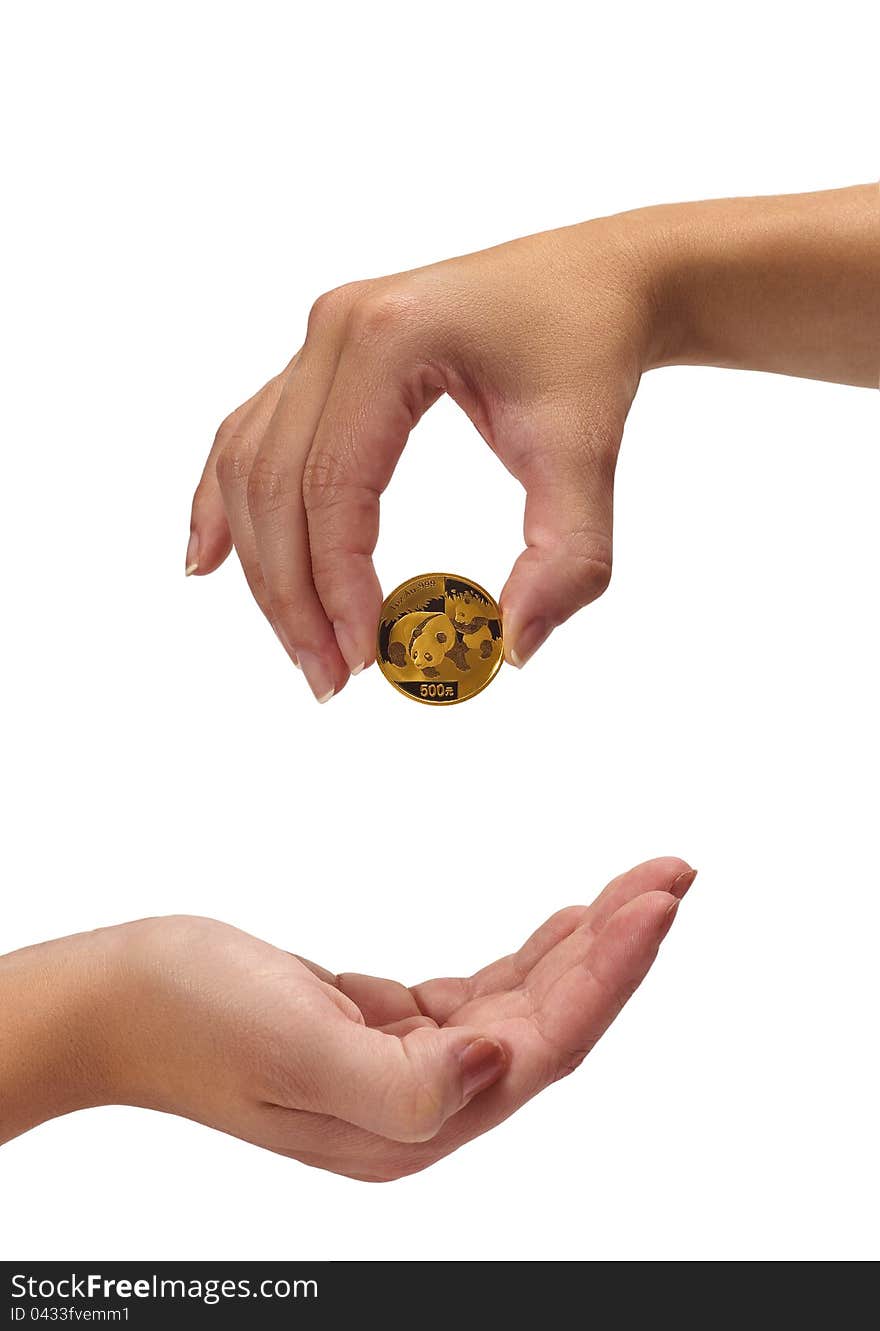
(439, 638)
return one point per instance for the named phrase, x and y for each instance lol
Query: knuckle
(269, 485)
(234, 461)
(331, 308)
(380, 314)
(203, 493)
(602, 438)
(589, 563)
(569, 917)
(226, 427)
(288, 608)
(416, 1113)
(596, 574)
(324, 477)
(295, 612)
(390, 1171)
(571, 1060)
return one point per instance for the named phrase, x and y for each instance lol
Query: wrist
(668, 245)
(786, 283)
(648, 250)
(698, 253)
(704, 268)
(58, 1053)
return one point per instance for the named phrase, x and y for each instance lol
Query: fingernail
(482, 1062)
(527, 642)
(352, 654)
(319, 679)
(683, 882)
(669, 917)
(192, 553)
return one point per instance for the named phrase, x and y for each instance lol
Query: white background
(182, 180)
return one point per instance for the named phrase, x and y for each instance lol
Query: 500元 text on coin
(439, 638)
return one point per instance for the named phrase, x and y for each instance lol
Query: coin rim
(434, 702)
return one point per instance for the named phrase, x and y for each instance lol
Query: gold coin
(439, 638)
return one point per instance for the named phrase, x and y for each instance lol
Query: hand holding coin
(295, 474)
(542, 343)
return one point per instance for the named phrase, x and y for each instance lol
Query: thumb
(568, 532)
(401, 1088)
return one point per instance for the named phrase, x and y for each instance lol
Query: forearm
(789, 284)
(56, 1010)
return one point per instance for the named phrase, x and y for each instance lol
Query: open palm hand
(364, 1076)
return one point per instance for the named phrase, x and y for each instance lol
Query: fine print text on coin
(439, 638)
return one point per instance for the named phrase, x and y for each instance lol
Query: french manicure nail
(192, 553)
(681, 884)
(527, 642)
(669, 917)
(482, 1062)
(351, 653)
(318, 677)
